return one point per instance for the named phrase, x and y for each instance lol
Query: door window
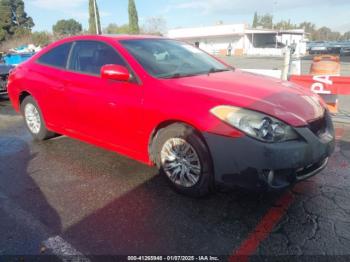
(57, 56)
(89, 56)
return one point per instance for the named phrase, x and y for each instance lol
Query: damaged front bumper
(250, 163)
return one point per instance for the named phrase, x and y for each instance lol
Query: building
(242, 40)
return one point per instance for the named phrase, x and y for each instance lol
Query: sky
(190, 13)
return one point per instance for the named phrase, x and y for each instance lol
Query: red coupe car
(165, 102)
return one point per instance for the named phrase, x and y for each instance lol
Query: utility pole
(274, 5)
(273, 14)
(96, 20)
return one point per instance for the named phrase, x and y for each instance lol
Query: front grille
(318, 126)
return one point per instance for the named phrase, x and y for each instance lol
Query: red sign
(323, 85)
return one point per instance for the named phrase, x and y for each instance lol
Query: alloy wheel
(32, 117)
(180, 162)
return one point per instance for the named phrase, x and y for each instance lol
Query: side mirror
(115, 72)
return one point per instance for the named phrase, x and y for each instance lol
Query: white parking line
(58, 246)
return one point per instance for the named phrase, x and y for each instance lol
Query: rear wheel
(184, 159)
(34, 120)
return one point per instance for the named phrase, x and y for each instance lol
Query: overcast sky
(187, 13)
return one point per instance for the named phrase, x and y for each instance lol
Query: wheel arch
(165, 124)
(22, 96)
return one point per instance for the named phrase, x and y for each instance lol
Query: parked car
(7, 63)
(4, 72)
(334, 48)
(345, 51)
(199, 120)
(321, 47)
(318, 48)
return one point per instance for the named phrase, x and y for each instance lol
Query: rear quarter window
(57, 56)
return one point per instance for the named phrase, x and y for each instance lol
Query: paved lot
(262, 62)
(64, 197)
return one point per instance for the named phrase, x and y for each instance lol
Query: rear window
(57, 56)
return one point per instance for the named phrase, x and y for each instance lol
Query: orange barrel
(327, 65)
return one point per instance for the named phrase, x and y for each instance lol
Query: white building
(243, 41)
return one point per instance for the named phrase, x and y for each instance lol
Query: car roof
(102, 37)
(127, 37)
(111, 36)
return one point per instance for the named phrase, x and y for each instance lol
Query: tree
(6, 21)
(326, 34)
(335, 36)
(154, 26)
(13, 19)
(22, 32)
(255, 20)
(346, 36)
(285, 25)
(41, 38)
(67, 27)
(20, 16)
(309, 28)
(133, 18)
(92, 19)
(323, 34)
(115, 29)
(264, 21)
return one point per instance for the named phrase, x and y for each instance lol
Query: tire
(185, 137)
(40, 132)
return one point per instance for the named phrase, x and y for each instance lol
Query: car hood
(281, 99)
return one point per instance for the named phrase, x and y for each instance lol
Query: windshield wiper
(217, 70)
(211, 70)
(178, 75)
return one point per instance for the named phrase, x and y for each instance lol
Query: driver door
(103, 111)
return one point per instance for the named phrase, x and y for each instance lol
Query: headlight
(255, 124)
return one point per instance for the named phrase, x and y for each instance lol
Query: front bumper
(250, 163)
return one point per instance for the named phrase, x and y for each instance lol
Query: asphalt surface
(64, 197)
(264, 62)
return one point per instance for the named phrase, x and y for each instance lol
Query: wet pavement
(65, 197)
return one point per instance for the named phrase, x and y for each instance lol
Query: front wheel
(34, 119)
(184, 159)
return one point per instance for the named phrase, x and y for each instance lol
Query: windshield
(164, 58)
